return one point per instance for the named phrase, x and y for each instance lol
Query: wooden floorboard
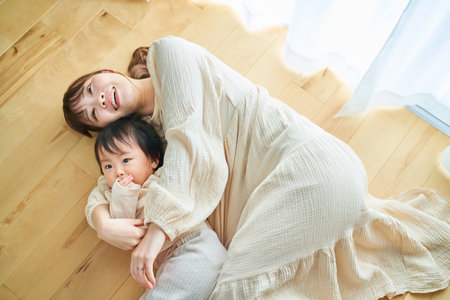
(47, 250)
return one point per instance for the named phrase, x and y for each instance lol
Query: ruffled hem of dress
(386, 256)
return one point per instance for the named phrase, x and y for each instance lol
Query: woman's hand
(144, 256)
(121, 233)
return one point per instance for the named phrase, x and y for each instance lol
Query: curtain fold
(388, 52)
(413, 66)
(343, 35)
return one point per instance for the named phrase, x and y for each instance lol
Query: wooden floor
(47, 249)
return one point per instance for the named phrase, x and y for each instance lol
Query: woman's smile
(113, 99)
(105, 93)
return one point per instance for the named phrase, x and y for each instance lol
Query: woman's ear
(155, 163)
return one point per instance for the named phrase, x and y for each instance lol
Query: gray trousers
(190, 268)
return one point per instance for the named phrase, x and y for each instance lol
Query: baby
(130, 155)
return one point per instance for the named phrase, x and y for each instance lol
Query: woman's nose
(101, 100)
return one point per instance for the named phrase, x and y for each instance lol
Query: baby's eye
(107, 167)
(94, 115)
(126, 160)
(89, 88)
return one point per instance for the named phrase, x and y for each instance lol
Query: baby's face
(130, 160)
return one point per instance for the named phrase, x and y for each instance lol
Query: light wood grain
(271, 70)
(70, 17)
(26, 57)
(322, 85)
(301, 101)
(243, 48)
(129, 290)
(440, 295)
(411, 164)
(47, 250)
(5, 293)
(439, 181)
(38, 213)
(18, 16)
(4, 44)
(211, 26)
(129, 13)
(31, 161)
(377, 138)
(57, 255)
(99, 275)
(162, 18)
(45, 89)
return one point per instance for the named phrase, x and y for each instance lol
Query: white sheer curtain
(389, 52)
(343, 35)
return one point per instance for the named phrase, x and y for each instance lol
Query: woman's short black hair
(127, 130)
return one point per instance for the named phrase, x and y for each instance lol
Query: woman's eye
(107, 167)
(94, 115)
(126, 160)
(89, 89)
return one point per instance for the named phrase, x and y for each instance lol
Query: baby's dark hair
(126, 130)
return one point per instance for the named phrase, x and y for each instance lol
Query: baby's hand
(125, 182)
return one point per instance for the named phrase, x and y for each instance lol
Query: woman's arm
(195, 170)
(121, 233)
(143, 257)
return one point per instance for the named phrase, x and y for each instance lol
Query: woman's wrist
(157, 228)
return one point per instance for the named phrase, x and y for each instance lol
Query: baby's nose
(120, 172)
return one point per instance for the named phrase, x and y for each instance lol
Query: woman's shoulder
(172, 49)
(169, 44)
(161, 54)
(174, 59)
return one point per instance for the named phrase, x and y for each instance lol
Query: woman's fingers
(137, 272)
(142, 273)
(137, 222)
(150, 276)
(122, 233)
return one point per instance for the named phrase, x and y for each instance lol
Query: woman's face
(105, 98)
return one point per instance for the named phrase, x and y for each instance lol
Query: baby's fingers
(127, 181)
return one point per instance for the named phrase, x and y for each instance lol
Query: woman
(289, 199)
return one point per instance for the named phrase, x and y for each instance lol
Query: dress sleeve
(195, 172)
(96, 197)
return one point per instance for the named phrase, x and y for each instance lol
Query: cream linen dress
(288, 200)
(190, 266)
(127, 202)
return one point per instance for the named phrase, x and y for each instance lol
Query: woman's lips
(116, 98)
(113, 99)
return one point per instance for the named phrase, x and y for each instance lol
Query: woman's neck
(146, 95)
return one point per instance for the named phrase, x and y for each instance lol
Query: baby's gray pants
(190, 268)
